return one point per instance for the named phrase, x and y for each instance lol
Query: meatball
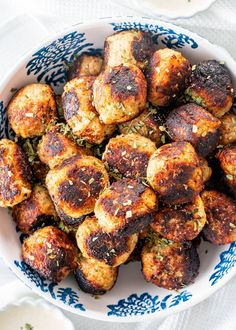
(79, 112)
(75, 185)
(35, 212)
(126, 207)
(128, 47)
(128, 155)
(193, 124)
(168, 75)
(181, 223)
(85, 65)
(107, 248)
(120, 94)
(55, 147)
(228, 128)
(211, 87)
(32, 110)
(175, 174)
(169, 264)
(146, 124)
(221, 217)
(50, 252)
(15, 174)
(94, 278)
(206, 169)
(227, 159)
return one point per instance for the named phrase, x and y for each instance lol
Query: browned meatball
(168, 264)
(94, 278)
(35, 212)
(126, 207)
(79, 112)
(85, 65)
(175, 174)
(228, 128)
(211, 87)
(206, 169)
(106, 248)
(119, 94)
(128, 47)
(128, 155)
(192, 123)
(181, 223)
(75, 185)
(15, 174)
(227, 159)
(221, 217)
(50, 252)
(168, 75)
(32, 110)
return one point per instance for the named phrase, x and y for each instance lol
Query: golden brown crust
(15, 174)
(193, 124)
(221, 217)
(227, 159)
(50, 252)
(206, 169)
(85, 65)
(32, 110)
(228, 128)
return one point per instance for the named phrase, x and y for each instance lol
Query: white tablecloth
(17, 35)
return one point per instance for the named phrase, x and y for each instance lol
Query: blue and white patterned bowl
(132, 299)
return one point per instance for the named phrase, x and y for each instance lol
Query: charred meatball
(126, 207)
(15, 174)
(85, 65)
(75, 185)
(35, 212)
(56, 147)
(206, 169)
(94, 278)
(221, 217)
(128, 47)
(211, 87)
(79, 112)
(169, 264)
(181, 223)
(128, 155)
(51, 253)
(32, 110)
(119, 94)
(228, 129)
(174, 173)
(227, 159)
(168, 75)
(193, 124)
(108, 249)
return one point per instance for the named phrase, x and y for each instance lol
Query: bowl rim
(7, 78)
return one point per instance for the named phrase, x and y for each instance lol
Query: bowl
(132, 299)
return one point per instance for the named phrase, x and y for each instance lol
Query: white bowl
(132, 299)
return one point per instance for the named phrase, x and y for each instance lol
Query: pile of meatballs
(136, 160)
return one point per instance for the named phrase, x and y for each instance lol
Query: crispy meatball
(169, 264)
(181, 223)
(126, 207)
(50, 252)
(32, 109)
(128, 155)
(95, 278)
(146, 124)
(15, 174)
(79, 112)
(55, 147)
(221, 217)
(35, 212)
(119, 94)
(227, 159)
(128, 47)
(206, 169)
(85, 65)
(107, 248)
(228, 128)
(75, 185)
(174, 173)
(211, 87)
(192, 123)
(168, 75)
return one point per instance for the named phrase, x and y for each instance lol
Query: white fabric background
(218, 24)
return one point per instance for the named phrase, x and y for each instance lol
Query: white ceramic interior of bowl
(132, 299)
